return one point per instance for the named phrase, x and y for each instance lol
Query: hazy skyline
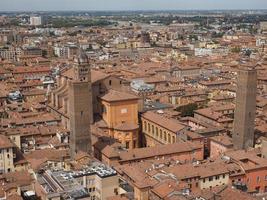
(51, 5)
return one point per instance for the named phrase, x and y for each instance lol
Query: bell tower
(80, 106)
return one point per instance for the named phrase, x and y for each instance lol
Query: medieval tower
(80, 106)
(243, 132)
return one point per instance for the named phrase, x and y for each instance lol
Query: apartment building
(186, 71)
(158, 129)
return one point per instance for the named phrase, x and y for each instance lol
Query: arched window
(145, 125)
(169, 138)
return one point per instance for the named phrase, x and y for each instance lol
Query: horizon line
(137, 10)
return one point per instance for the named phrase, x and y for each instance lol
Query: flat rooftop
(94, 167)
(60, 184)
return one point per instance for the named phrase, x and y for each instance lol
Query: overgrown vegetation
(72, 22)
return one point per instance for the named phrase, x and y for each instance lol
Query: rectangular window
(127, 145)
(211, 178)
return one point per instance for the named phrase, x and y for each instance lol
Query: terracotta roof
(159, 150)
(126, 126)
(186, 67)
(212, 114)
(169, 124)
(223, 140)
(108, 147)
(17, 179)
(249, 160)
(69, 73)
(137, 174)
(98, 75)
(167, 188)
(216, 82)
(14, 197)
(117, 198)
(114, 95)
(23, 70)
(202, 170)
(5, 142)
(224, 193)
(38, 157)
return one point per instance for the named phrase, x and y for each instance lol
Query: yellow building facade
(158, 129)
(120, 112)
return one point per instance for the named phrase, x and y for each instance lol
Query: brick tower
(80, 106)
(243, 132)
